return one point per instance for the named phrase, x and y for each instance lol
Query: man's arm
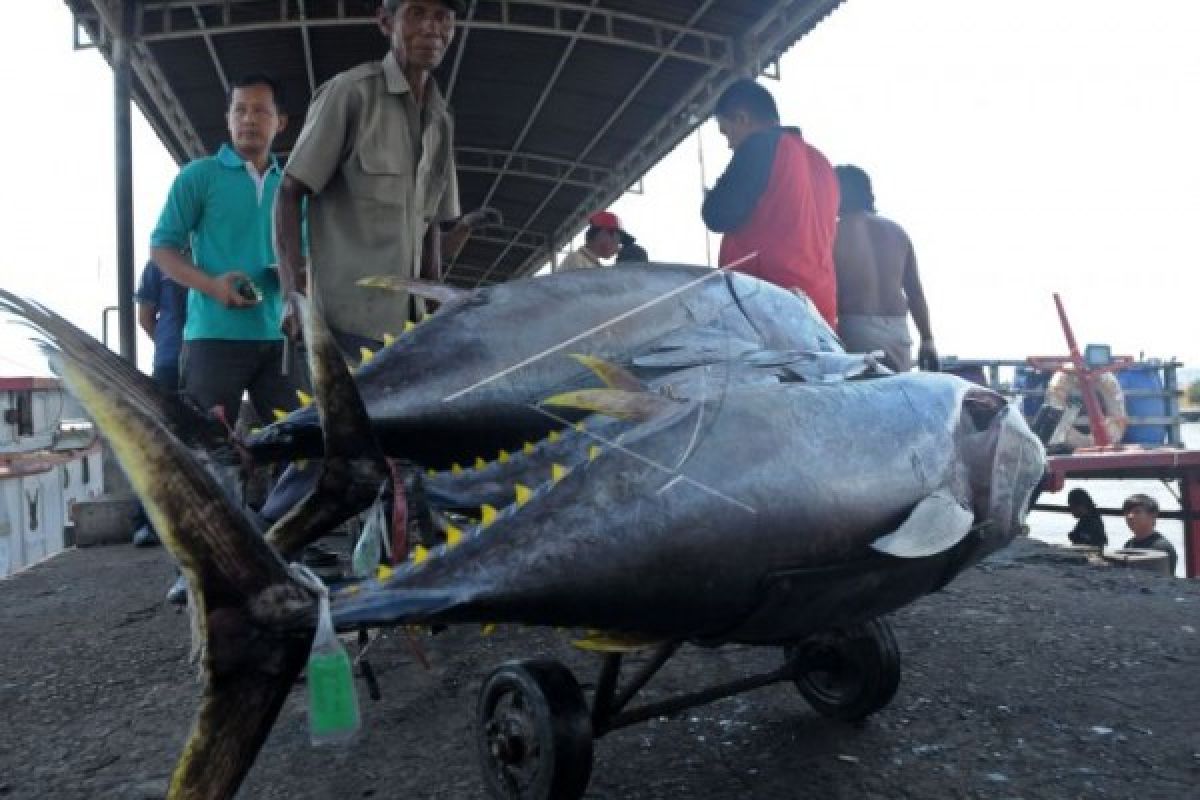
(431, 254)
(729, 204)
(455, 239)
(181, 215)
(147, 316)
(225, 288)
(927, 357)
(289, 248)
(916, 297)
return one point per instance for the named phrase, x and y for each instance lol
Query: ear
(384, 19)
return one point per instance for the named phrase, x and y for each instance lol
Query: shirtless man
(877, 281)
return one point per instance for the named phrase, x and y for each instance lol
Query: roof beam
(762, 45)
(530, 165)
(568, 20)
(612, 119)
(212, 50)
(179, 135)
(551, 82)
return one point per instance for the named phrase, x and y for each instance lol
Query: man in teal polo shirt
(219, 209)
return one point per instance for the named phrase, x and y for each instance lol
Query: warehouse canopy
(560, 106)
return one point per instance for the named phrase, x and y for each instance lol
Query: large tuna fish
(758, 513)
(468, 380)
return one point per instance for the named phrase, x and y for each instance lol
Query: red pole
(1090, 401)
(1189, 491)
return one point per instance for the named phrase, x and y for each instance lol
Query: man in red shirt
(777, 201)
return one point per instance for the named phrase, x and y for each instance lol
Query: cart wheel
(848, 673)
(534, 732)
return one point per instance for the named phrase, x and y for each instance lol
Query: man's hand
(290, 323)
(927, 357)
(234, 290)
(483, 218)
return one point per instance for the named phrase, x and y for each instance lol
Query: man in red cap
(602, 240)
(777, 202)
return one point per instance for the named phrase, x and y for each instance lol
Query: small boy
(1141, 514)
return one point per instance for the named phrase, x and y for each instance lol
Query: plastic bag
(369, 550)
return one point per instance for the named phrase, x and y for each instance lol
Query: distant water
(1054, 527)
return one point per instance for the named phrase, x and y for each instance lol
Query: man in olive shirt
(878, 285)
(376, 161)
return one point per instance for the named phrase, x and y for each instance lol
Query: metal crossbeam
(761, 46)
(179, 135)
(539, 17)
(530, 165)
(612, 119)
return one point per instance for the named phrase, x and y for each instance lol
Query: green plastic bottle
(333, 716)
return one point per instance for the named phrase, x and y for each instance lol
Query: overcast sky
(1028, 146)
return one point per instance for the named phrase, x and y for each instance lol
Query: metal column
(123, 139)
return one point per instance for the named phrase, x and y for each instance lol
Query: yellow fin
(453, 536)
(419, 555)
(479, 462)
(279, 414)
(489, 515)
(593, 452)
(456, 468)
(488, 629)
(366, 355)
(619, 403)
(304, 397)
(558, 472)
(528, 448)
(502, 457)
(388, 340)
(255, 431)
(614, 377)
(523, 494)
(579, 426)
(409, 325)
(383, 573)
(301, 464)
(431, 472)
(600, 642)
(554, 436)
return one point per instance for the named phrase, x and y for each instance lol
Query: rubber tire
(552, 722)
(848, 673)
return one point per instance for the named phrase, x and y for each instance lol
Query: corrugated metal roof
(560, 106)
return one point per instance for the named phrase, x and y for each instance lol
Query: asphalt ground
(1028, 677)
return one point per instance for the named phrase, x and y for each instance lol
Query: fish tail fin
(253, 621)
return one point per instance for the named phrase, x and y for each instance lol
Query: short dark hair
(1142, 501)
(256, 79)
(746, 95)
(1080, 497)
(855, 188)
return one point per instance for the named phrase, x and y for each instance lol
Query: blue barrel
(1144, 378)
(1030, 378)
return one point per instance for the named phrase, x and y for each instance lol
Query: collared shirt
(170, 301)
(579, 259)
(223, 215)
(381, 170)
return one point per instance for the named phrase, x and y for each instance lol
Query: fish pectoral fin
(343, 488)
(635, 406)
(614, 375)
(936, 524)
(442, 294)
